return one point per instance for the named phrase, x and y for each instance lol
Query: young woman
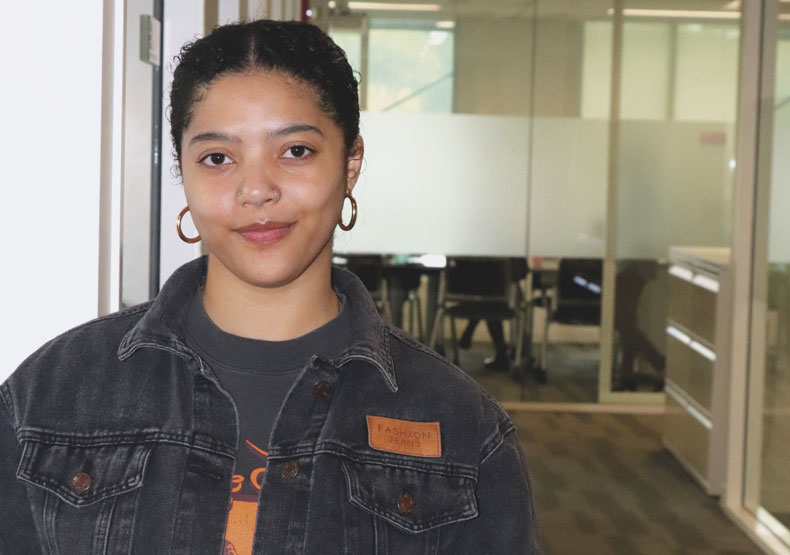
(259, 404)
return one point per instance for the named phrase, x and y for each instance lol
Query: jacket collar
(162, 325)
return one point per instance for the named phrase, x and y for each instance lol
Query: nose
(257, 189)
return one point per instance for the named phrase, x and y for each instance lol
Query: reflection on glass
(775, 480)
(639, 361)
(411, 70)
(674, 166)
(138, 85)
(351, 43)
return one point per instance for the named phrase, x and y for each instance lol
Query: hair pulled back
(296, 49)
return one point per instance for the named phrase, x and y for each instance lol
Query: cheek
(208, 206)
(319, 196)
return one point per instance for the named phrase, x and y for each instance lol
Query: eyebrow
(230, 138)
(297, 128)
(214, 136)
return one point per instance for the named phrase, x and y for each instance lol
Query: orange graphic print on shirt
(244, 504)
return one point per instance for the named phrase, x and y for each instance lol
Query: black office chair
(485, 289)
(576, 300)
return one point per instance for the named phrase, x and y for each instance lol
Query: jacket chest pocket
(410, 507)
(83, 497)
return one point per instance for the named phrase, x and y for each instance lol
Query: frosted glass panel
(568, 197)
(462, 181)
(675, 187)
(459, 183)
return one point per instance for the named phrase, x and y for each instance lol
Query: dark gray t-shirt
(258, 375)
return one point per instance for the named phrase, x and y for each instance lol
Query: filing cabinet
(697, 371)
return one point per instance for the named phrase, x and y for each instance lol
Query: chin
(271, 268)
(272, 272)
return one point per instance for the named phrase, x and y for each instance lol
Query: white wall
(51, 113)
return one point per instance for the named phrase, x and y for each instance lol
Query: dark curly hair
(297, 49)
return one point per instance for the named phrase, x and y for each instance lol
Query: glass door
(142, 151)
(767, 487)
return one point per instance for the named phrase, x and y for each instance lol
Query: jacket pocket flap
(82, 475)
(413, 500)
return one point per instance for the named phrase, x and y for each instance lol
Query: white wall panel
(50, 108)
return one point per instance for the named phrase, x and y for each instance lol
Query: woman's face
(265, 173)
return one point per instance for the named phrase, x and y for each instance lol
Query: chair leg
(411, 315)
(437, 325)
(455, 340)
(418, 307)
(519, 325)
(545, 343)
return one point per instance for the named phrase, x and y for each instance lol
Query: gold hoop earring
(353, 220)
(183, 237)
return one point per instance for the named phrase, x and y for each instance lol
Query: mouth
(264, 233)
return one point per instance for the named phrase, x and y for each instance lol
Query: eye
(297, 151)
(216, 159)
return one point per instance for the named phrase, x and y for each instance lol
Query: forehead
(260, 95)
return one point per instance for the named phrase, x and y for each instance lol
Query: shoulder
(425, 375)
(99, 335)
(69, 357)
(78, 382)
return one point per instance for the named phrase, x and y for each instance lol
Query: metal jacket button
(290, 469)
(321, 389)
(406, 504)
(81, 482)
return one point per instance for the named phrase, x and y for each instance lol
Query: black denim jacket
(115, 438)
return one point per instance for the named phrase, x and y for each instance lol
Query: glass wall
(585, 137)
(473, 128)
(673, 161)
(767, 493)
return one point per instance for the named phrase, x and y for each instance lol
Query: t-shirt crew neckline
(261, 356)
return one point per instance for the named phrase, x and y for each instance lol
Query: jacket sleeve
(17, 530)
(506, 522)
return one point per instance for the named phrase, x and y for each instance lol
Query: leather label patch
(420, 439)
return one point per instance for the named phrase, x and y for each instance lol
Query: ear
(354, 162)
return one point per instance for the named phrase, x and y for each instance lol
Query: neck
(273, 314)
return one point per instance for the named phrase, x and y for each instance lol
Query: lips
(264, 233)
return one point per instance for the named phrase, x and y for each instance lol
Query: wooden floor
(603, 483)
(572, 372)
